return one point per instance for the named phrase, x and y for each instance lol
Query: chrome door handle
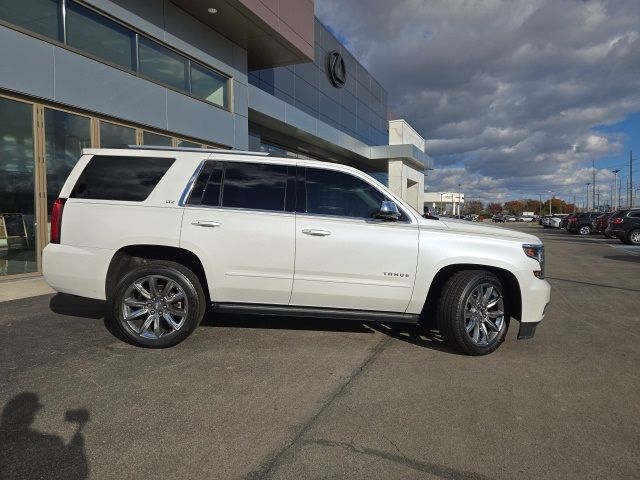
(316, 233)
(205, 223)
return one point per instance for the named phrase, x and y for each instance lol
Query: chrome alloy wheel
(154, 306)
(585, 230)
(484, 314)
(634, 238)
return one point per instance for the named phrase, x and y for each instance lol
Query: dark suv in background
(583, 223)
(625, 225)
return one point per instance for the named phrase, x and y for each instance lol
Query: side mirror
(388, 211)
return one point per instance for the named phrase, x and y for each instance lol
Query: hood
(472, 228)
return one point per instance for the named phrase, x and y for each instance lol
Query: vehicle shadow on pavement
(26, 453)
(422, 336)
(73, 306)
(624, 258)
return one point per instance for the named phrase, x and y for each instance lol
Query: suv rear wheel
(158, 304)
(471, 312)
(634, 237)
(584, 230)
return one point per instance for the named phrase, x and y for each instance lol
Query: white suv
(165, 234)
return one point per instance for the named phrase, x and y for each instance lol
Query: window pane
(336, 193)
(99, 36)
(17, 199)
(206, 189)
(39, 16)
(120, 178)
(188, 144)
(114, 136)
(65, 135)
(254, 185)
(161, 64)
(208, 85)
(149, 138)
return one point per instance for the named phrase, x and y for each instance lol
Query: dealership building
(259, 75)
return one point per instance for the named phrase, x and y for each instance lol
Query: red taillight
(617, 221)
(56, 220)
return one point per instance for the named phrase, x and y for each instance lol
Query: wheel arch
(509, 282)
(135, 255)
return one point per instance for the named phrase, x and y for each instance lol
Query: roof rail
(196, 149)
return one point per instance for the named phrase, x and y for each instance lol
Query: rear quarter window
(129, 179)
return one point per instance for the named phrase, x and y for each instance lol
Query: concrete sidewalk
(23, 288)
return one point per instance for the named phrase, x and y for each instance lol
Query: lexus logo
(336, 69)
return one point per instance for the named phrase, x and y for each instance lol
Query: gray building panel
(306, 94)
(309, 72)
(35, 75)
(91, 85)
(188, 116)
(329, 108)
(240, 99)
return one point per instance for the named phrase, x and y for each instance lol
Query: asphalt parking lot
(284, 398)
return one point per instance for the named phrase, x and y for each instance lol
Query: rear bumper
(76, 270)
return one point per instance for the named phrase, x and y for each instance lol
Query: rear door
(238, 220)
(344, 257)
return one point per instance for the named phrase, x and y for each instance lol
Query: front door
(344, 257)
(236, 221)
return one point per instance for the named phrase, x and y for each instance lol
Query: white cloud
(507, 93)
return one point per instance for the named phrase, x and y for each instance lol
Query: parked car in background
(544, 221)
(583, 223)
(625, 225)
(525, 218)
(564, 224)
(497, 219)
(600, 224)
(556, 219)
(510, 218)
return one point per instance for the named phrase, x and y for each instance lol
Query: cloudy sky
(515, 97)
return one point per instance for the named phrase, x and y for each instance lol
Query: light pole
(550, 196)
(587, 207)
(615, 188)
(459, 197)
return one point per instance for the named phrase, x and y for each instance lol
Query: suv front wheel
(471, 312)
(158, 304)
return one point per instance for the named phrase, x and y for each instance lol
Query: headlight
(535, 251)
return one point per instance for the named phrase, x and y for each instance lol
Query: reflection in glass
(99, 36)
(116, 136)
(65, 135)
(17, 198)
(150, 138)
(208, 85)
(161, 64)
(188, 144)
(39, 16)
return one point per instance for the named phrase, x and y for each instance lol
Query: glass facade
(65, 135)
(150, 138)
(39, 16)
(18, 244)
(162, 64)
(115, 136)
(99, 36)
(102, 38)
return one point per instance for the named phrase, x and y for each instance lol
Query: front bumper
(536, 295)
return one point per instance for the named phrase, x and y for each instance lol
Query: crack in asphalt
(425, 467)
(269, 466)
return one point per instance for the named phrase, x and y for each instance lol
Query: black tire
(633, 237)
(584, 230)
(194, 303)
(450, 312)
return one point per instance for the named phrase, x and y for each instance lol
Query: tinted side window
(634, 214)
(207, 187)
(120, 178)
(254, 185)
(336, 193)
